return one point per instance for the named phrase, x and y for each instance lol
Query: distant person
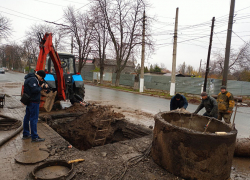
(226, 104)
(178, 101)
(210, 105)
(32, 88)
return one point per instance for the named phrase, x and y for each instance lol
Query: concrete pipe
(242, 147)
(181, 146)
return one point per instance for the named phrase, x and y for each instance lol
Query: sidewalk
(9, 169)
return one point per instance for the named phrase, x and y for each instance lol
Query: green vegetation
(97, 69)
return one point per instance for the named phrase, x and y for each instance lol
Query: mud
(86, 127)
(107, 162)
(194, 101)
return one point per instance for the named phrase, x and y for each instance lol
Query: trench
(95, 125)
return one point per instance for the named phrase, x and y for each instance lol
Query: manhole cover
(31, 156)
(52, 170)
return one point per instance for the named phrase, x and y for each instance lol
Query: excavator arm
(46, 47)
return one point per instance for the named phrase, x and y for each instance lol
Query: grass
(161, 93)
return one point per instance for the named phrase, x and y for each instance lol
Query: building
(110, 66)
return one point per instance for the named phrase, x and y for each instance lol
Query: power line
(243, 9)
(49, 3)
(239, 37)
(76, 10)
(20, 16)
(21, 13)
(218, 38)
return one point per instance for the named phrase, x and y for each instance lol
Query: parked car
(2, 71)
(6, 69)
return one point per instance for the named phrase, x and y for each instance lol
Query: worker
(226, 103)
(178, 101)
(210, 105)
(32, 88)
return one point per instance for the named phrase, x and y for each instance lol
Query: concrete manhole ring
(31, 156)
(52, 170)
(191, 147)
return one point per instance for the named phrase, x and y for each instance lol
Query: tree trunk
(117, 79)
(101, 74)
(136, 82)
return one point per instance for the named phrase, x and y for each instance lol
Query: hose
(6, 139)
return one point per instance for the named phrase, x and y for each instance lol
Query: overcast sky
(193, 31)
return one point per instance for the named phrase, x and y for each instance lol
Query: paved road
(145, 103)
(154, 105)
(11, 76)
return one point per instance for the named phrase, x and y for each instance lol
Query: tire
(80, 91)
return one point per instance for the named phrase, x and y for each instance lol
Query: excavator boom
(46, 47)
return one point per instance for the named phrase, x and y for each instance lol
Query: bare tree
(81, 26)
(100, 39)
(162, 66)
(31, 51)
(5, 27)
(182, 68)
(239, 60)
(35, 29)
(190, 70)
(124, 21)
(11, 56)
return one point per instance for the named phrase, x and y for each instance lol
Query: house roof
(184, 75)
(112, 62)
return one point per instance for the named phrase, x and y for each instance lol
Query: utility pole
(200, 67)
(71, 44)
(228, 45)
(208, 55)
(143, 53)
(172, 85)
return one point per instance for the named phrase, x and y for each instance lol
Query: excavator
(61, 76)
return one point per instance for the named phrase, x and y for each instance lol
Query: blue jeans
(205, 114)
(30, 120)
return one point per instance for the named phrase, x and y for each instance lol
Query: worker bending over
(210, 105)
(178, 101)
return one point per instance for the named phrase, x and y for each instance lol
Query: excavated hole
(95, 125)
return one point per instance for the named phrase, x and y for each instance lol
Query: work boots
(38, 139)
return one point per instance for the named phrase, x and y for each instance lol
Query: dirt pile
(85, 127)
(194, 101)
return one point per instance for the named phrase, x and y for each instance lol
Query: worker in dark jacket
(178, 101)
(32, 88)
(210, 105)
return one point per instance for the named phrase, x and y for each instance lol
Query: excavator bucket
(47, 100)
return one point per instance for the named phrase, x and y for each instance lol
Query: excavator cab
(61, 75)
(73, 81)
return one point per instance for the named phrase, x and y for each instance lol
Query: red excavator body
(46, 47)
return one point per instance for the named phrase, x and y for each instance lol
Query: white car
(2, 71)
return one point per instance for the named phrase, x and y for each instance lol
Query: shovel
(233, 125)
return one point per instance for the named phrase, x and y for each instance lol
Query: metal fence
(188, 85)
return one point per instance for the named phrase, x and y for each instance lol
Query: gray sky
(194, 24)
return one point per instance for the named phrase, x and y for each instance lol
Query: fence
(188, 85)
